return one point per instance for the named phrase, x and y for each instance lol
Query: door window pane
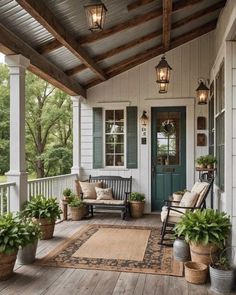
(168, 138)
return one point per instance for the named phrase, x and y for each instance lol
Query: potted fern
(137, 203)
(27, 251)
(13, 234)
(45, 212)
(206, 231)
(77, 208)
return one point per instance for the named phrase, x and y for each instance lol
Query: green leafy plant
(210, 160)
(201, 160)
(206, 226)
(181, 192)
(135, 196)
(40, 207)
(67, 192)
(76, 202)
(224, 260)
(33, 230)
(13, 233)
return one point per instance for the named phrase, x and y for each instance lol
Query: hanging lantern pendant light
(95, 14)
(163, 87)
(202, 92)
(163, 71)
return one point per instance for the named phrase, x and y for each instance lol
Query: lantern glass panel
(95, 16)
(163, 87)
(202, 96)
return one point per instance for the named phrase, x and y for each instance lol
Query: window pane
(114, 128)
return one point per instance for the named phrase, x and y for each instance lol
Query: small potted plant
(177, 196)
(210, 161)
(27, 251)
(45, 211)
(66, 194)
(137, 203)
(222, 273)
(77, 208)
(13, 234)
(206, 231)
(201, 162)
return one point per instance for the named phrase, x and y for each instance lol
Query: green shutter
(131, 137)
(97, 138)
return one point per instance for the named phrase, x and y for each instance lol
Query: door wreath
(167, 128)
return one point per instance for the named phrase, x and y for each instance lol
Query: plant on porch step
(77, 207)
(206, 161)
(206, 231)
(137, 203)
(13, 234)
(45, 211)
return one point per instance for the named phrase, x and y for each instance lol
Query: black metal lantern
(202, 92)
(95, 13)
(144, 118)
(163, 71)
(163, 87)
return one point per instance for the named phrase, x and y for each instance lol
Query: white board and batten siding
(137, 87)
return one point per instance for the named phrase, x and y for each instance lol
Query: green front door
(168, 153)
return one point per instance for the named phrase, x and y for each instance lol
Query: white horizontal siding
(138, 87)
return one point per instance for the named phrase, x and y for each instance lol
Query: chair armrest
(182, 207)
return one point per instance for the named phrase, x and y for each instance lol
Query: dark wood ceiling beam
(166, 23)
(115, 51)
(148, 37)
(138, 20)
(137, 4)
(154, 51)
(38, 63)
(39, 11)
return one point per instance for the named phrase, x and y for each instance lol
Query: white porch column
(76, 133)
(17, 65)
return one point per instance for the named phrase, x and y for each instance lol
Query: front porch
(34, 279)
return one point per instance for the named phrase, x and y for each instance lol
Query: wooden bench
(121, 189)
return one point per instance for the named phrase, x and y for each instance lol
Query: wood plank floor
(33, 279)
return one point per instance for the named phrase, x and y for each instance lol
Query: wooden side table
(65, 209)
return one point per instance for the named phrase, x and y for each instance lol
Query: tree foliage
(48, 126)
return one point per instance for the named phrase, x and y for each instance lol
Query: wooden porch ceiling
(161, 25)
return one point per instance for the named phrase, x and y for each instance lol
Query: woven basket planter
(203, 253)
(77, 213)
(136, 208)
(195, 272)
(47, 227)
(7, 262)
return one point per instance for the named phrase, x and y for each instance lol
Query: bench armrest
(126, 196)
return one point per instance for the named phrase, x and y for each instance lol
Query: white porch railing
(5, 196)
(51, 186)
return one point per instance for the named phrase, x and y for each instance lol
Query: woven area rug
(115, 248)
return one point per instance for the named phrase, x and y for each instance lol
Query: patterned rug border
(45, 261)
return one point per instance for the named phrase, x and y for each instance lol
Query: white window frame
(104, 137)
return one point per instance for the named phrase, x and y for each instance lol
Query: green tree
(48, 128)
(4, 119)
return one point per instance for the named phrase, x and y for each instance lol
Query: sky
(1, 58)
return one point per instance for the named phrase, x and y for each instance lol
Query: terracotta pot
(47, 227)
(203, 253)
(77, 213)
(7, 263)
(137, 209)
(177, 197)
(209, 166)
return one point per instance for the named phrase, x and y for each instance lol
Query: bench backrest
(119, 185)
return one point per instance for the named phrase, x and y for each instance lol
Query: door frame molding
(189, 103)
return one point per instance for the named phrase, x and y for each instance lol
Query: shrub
(135, 196)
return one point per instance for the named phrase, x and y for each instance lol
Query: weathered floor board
(35, 280)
